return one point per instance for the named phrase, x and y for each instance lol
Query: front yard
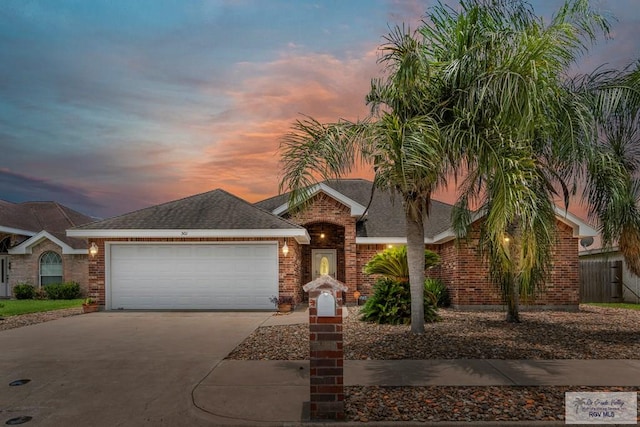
(591, 333)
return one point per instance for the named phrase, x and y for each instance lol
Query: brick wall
(324, 209)
(365, 253)
(467, 275)
(290, 269)
(26, 268)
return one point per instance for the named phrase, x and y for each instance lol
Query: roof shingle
(385, 216)
(48, 216)
(214, 210)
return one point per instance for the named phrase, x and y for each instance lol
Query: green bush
(69, 290)
(391, 303)
(24, 291)
(393, 263)
(439, 290)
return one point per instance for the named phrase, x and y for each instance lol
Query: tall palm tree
(482, 93)
(400, 141)
(519, 135)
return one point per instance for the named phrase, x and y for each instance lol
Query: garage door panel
(235, 276)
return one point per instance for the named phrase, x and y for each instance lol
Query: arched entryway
(325, 253)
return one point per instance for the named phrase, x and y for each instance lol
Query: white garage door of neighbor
(193, 277)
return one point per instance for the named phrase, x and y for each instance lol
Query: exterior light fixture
(93, 250)
(506, 239)
(322, 235)
(285, 249)
(389, 246)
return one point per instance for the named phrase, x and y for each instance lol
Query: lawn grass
(615, 305)
(24, 306)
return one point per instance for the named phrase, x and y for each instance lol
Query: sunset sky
(108, 106)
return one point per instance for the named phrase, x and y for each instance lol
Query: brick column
(327, 362)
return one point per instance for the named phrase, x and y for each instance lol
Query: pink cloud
(242, 155)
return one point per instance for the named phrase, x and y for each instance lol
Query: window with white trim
(50, 268)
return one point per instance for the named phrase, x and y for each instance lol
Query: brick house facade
(462, 269)
(332, 233)
(26, 268)
(31, 231)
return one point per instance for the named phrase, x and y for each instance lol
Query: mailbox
(324, 295)
(326, 304)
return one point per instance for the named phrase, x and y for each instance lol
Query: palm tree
(400, 141)
(520, 136)
(482, 93)
(613, 174)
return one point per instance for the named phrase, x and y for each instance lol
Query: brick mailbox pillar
(325, 349)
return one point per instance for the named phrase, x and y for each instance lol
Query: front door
(4, 276)
(323, 261)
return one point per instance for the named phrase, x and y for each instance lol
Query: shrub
(391, 303)
(393, 263)
(68, 290)
(24, 291)
(439, 291)
(40, 294)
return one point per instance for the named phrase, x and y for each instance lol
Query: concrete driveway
(116, 368)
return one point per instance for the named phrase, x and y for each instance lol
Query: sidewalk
(249, 392)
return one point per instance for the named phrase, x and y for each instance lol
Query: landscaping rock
(21, 320)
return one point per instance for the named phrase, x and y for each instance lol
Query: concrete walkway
(250, 392)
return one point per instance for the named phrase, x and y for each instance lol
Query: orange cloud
(242, 155)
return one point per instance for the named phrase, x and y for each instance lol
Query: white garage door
(193, 276)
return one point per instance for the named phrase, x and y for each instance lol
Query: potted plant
(283, 303)
(89, 305)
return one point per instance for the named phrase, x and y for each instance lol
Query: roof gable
(356, 208)
(27, 246)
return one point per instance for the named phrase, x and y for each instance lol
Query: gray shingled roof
(214, 210)
(48, 216)
(385, 217)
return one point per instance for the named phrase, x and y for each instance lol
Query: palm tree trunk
(513, 303)
(415, 258)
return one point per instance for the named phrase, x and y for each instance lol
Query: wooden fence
(600, 281)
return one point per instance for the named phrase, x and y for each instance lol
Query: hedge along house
(35, 249)
(216, 251)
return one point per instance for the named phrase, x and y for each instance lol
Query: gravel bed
(11, 322)
(469, 404)
(591, 333)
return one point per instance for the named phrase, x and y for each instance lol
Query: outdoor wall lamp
(285, 249)
(93, 249)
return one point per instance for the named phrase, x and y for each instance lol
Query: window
(50, 268)
(324, 266)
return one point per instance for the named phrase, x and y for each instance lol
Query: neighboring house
(216, 251)
(34, 247)
(606, 277)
